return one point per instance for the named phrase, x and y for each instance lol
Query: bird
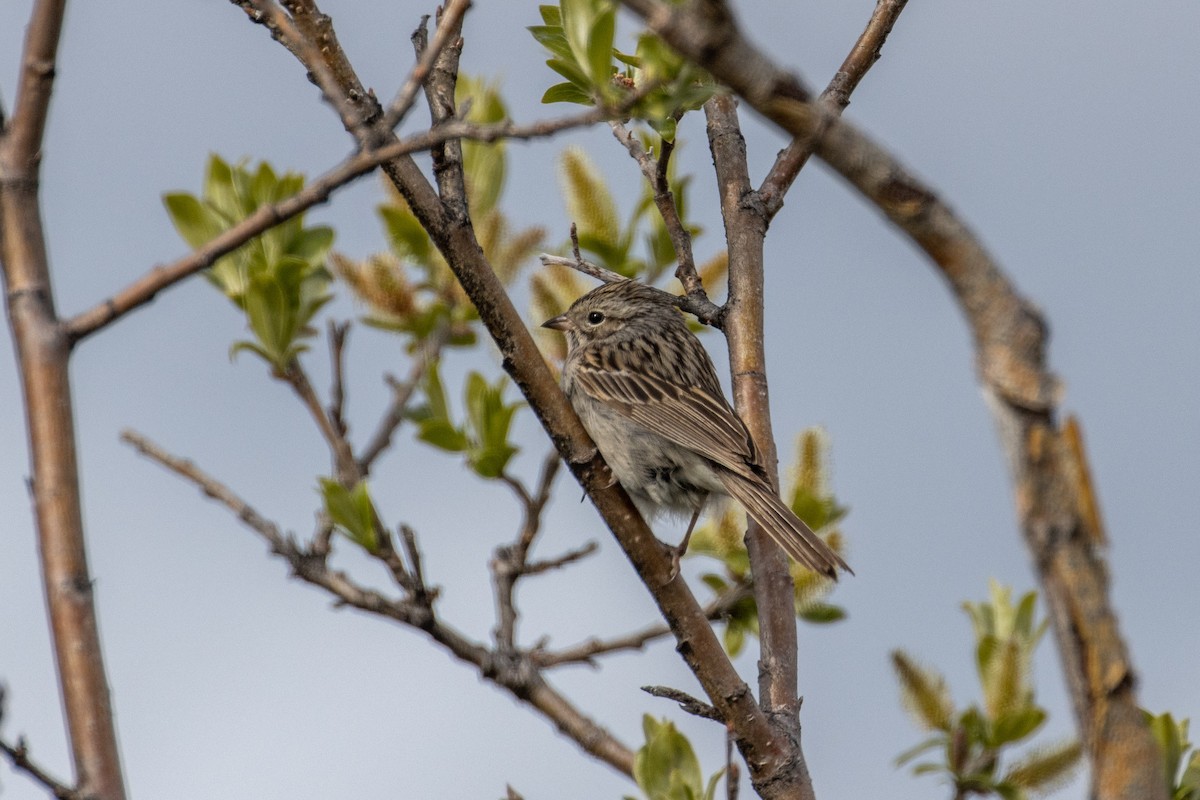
(647, 393)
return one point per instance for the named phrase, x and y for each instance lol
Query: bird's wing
(696, 417)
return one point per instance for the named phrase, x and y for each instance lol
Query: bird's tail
(789, 532)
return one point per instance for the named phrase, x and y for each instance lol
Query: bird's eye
(595, 318)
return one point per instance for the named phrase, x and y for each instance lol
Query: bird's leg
(679, 550)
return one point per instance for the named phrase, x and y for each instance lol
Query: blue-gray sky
(1064, 136)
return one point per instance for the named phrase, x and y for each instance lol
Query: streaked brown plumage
(648, 394)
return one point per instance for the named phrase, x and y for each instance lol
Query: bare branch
(344, 464)
(337, 392)
(569, 557)
(686, 702)
(744, 330)
(25, 129)
(43, 353)
(655, 172)
(18, 756)
(402, 394)
(836, 97)
(448, 25)
(585, 652)
(513, 672)
(316, 192)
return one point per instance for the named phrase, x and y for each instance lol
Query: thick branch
(42, 354)
(744, 330)
(1010, 341)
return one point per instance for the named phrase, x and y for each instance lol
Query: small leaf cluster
(279, 278)
(483, 437)
(352, 512)
(1181, 769)
(722, 538)
(579, 36)
(411, 289)
(666, 767)
(971, 744)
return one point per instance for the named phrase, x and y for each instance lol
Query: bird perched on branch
(647, 393)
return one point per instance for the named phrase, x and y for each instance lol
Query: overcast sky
(1064, 134)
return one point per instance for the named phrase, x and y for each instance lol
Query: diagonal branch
(314, 193)
(1010, 344)
(514, 672)
(836, 97)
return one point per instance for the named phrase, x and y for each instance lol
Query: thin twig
(344, 464)
(655, 173)
(402, 394)
(448, 24)
(836, 97)
(318, 191)
(18, 756)
(686, 702)
(285, 30)
(586, 652)
(569, 557)
(337, 392)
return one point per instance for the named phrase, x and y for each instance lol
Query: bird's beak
(559, 323)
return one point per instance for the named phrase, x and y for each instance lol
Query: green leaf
(551, 37)
(442, 434)
(666, 767)
(928, 744)
(195, 223)
(600, 45)
(551, 15)
(407, 238)
(566, 93)
(1015, 725)
(351, 512)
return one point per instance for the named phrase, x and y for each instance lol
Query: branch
(585, 652)
(318, 191)
(655, 172)
(686, 702)
(402, 393)
(836, 97)
(448, 26)
(774, 591)
(345, 466)
(337, 367)
(518, 675)
(1010, 343)
(18, 756)
(43, 354)
(27, 126)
